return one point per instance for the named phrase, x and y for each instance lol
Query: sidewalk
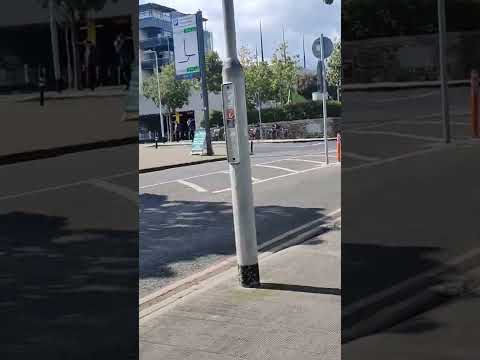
(103, 91)
(295, 315)
(32, 131)
(266, 141)
(166, 157)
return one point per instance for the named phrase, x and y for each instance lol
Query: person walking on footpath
(91, 65)
(191, 128)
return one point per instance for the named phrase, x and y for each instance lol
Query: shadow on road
(178, 238)
(62, 289)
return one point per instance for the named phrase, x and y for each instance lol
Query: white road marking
(255, 179)
(400, 98)
(192, 185)
(65, 186)
(299, 228)
(123, 191)
(278, 168)
(407, 283)
(393, 133)
(188, 178)
(360, 157)
(402, 119)
(395, 158)
(284, 175)
(305, 160)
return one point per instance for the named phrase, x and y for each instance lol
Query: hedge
(298, 111)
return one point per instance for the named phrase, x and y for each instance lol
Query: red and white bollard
(339, 147)
(474, 101)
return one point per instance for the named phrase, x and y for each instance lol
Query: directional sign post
(322, 48)
(189, 52)
(185, 38)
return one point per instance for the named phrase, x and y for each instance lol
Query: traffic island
(168, 157)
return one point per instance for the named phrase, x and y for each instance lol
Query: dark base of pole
(249, 276)
(42, 98)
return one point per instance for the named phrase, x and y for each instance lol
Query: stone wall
(409, 58)
(308, 128)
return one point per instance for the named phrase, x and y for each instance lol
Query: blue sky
(299, 17)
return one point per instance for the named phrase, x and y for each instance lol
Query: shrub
(298, 111)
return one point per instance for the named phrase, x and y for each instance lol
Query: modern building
(208, 41)
(19, 63)
(156, 33)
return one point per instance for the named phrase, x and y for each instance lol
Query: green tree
(334, 66)
(307, 84)
(174, 93)
(284, 74)
(214, 67)
(258, 78)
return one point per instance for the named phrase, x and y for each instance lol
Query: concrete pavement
(294, 315)
(166, 157)
(64, 123)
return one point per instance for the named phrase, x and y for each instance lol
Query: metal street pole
(260, 116)
(442, 39)
(324, 99)
(159, 94)
(203, 74)
(54, 41)
(236, 134)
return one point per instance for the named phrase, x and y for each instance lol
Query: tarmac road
(186, 221)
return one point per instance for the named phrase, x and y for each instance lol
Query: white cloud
(299, 17)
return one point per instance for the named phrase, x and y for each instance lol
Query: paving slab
(294, 315)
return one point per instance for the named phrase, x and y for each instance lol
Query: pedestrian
(90, 65)
(191, 128)
(125, 58)
(177, 132)
(42, 84)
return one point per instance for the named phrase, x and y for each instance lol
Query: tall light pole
(236, 134)
(324, 98)
(158, 89)
(442, 39)
(54, 40)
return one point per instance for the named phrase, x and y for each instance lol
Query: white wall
(195, 103)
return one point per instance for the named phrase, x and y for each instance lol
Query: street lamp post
(236, 134)
(442, 38)
(159, 95)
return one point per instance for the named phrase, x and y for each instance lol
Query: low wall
(308, 128)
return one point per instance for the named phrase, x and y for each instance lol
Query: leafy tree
(334, 66)
(258, 78)
(214, 72)
(307, 84)
(174, 93)
(284, 74)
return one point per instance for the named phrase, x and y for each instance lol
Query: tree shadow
(179, 237)
(63, 289)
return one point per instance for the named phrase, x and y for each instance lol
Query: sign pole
(324, 98)
(159, 96)
(442, 38)
(203, 74)
(236, 135)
